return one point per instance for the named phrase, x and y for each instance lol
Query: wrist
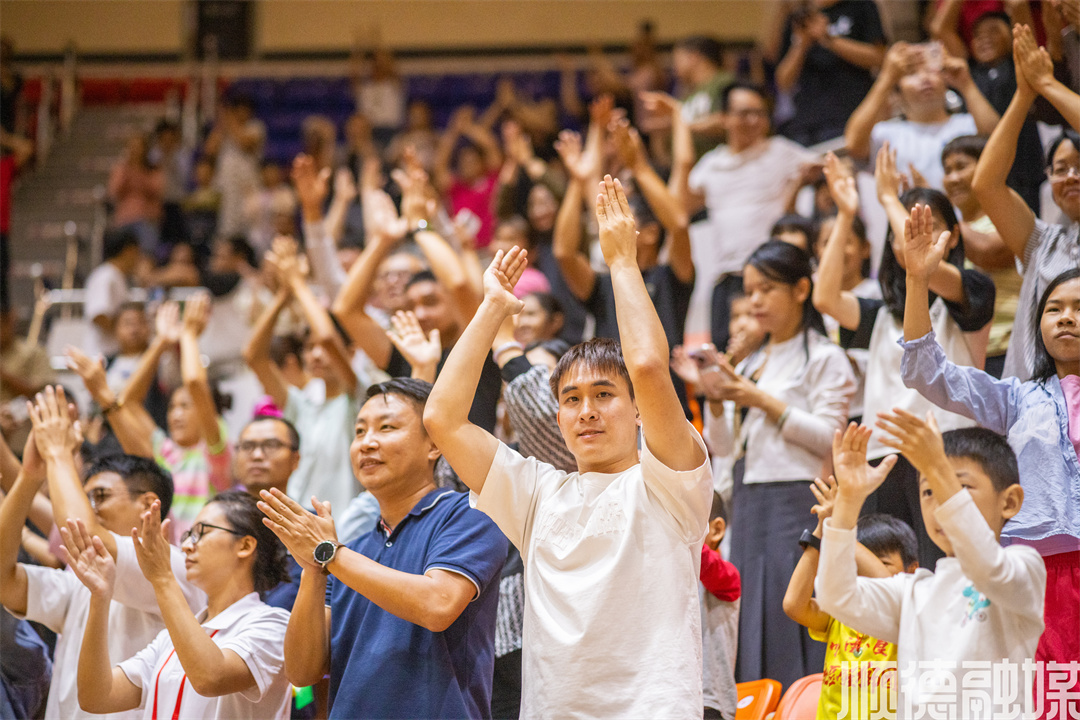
(845, 513)
(311, 212)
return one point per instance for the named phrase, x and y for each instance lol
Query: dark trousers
(506, 687)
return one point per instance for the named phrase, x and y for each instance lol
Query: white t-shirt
(961, 624)
(920, 144)
(250, 628)
(60, 602)
(326, 432)
(612, 623)
(106, 291)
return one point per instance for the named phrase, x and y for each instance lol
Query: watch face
(324, 551)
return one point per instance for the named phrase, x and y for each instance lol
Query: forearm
(916, 309)
(862, 121)
(13, 512)
(789, 69)
(203, 661)
(452, 395)
(862, 54)
(947, 282)
(133, 427)
(307, 639)
(669, 211)
(413, 598)
(198, 387)
(18, 386)
(37, 548)
(799, 596)
(354, 293)
(997, 157)
(326, 271)
(1064, 100)
(95, 671)
(943, 28)
(447, 267)
(829, 286)
(644, 342)
(69, 502)
(986, 117)
(322, 327)
(262, 335)
(140, 381)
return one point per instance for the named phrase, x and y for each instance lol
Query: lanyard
(180, 695)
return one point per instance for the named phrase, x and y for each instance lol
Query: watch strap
(808, 539)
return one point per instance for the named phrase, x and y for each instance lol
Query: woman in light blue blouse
(1040, 417)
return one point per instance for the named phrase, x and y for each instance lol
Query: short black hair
(797, 223)
(970, 145)
(239, 245)
(880, 533)
(705, 46)
(242, 512)
(992, 15)
(282, 346)
(117, 240)
(139, 474)
(422, 276)
(130, 306)
(413, 390)
(989, 450)
(602, 354)
(1066, 134)
(725, 95)
(294, 434)
(719, 508)
(1045, 366)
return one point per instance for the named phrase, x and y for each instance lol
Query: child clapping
(964, 631)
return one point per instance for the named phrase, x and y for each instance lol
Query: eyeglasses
(1062, 173)
(750, 114)
(248, 447)
(197, 531)
(99, 495)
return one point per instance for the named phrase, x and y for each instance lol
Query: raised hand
(922, 254)
(730, 385)
(618, 232)
(600, 110)
(92, 372)
(196, 313)
(311, 183)
(825, 494)
(1032, 61)
(86, 555)
(344, 186)
(167, 322)
(628, 142)
(54, 430)
(685, 366)
(855, 478)
(886, 176)
(285, 261)
(500, 278)
(898, 61)
(152, 550)
(421, 351)
(381, 218)
(841, 186)
(916, 439)
(656, 102)
(577, 164)
(299, 530)
(956, 72)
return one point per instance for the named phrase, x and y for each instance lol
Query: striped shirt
(198, 472)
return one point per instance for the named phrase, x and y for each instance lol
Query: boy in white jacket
(963, 632)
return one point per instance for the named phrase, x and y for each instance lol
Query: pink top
(478, 197)
(199, 472)
(531, 281)
(1070, 385)
(137, 192)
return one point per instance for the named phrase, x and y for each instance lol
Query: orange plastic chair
(801, 699)
(757, 698)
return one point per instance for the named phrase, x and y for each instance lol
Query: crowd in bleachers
(594, 393)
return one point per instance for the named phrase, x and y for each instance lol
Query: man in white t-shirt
(743, 185)
(119, 489)
(612, 552)
(107, 290)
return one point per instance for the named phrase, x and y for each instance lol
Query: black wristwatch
(325, 552)
(808, 539)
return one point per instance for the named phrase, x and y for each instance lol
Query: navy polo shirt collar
(424, 505)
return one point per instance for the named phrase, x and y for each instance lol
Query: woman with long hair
(790, 396)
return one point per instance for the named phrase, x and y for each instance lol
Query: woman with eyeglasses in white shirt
(228, 661)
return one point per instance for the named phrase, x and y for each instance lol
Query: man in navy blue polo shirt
(406, 625)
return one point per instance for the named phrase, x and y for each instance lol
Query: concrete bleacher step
(63, 190)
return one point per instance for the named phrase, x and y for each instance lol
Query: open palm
(923, 254)
(501, 276)
(87, 557)
(854, 476)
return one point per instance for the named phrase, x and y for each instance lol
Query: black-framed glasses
(270, 446)
(1061, 173)
(195, 534)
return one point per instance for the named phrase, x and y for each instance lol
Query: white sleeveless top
(885, 388)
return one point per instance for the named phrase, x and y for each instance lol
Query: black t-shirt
(971, 315)
(574, 312)
(670, 296)
(487, 390)
(997, 83)
(829, 87)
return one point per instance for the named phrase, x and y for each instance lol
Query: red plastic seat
(800, 702)
(757, 698)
